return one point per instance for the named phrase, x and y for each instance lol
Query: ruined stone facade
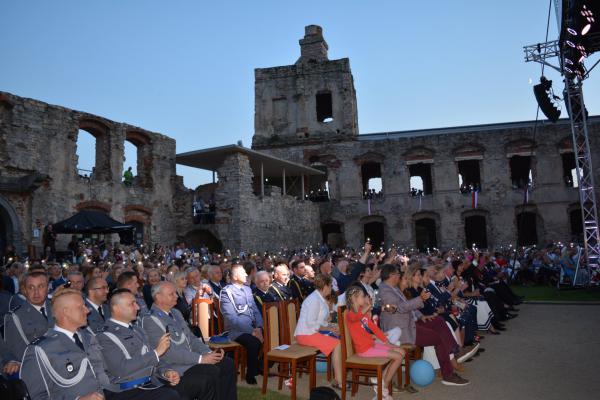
(305, 113)
(40, 183)
(248, 221)
(289, 125)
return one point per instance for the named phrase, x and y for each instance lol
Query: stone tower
(312, 100)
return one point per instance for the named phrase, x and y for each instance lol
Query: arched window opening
(86, 154)
(520, 171)
(423, 171)
(374, 232)
(131, 158)
(476, 231)
(469, 178)
(324, 107)
(332, 235)
(425, 234)
(371, 180)
(527, 229)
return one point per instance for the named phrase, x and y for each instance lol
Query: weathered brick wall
(498, 201)
(245, 221)
(39, 137)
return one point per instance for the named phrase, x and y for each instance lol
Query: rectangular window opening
(421, 182)
(324, 107)
(520, 171)
(371, 180)
(469, 178)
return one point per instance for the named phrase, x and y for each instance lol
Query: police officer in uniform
(300, 286)
(129, 280)
(281, 277)
(130, 362)
(65, 363)
(204, 374)
(32, 318)
(96, 293)
(242, 319)
(264, 293)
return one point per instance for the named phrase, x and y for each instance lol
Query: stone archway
(10, 228)
(202, 237)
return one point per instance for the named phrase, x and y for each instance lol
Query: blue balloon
(422, 373)
(321, 366)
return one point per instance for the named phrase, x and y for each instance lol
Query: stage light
(546, 99)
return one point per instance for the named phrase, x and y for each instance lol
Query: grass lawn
(547, 293)
(246, 393)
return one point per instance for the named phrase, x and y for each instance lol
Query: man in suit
(96, 293)
(264, 293)
(216, 276)
(281, 278)
(202, 371)
(398, 311)
(10, 280)
(66, 363)
(130, 362)
(242, 319)
(32, 318)
(300, 286)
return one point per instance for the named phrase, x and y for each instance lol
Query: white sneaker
(385, 393)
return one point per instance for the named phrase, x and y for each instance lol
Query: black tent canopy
(88, 221)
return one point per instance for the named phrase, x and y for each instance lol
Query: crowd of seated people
(116, 323)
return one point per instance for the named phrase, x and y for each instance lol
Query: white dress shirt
(314, 314)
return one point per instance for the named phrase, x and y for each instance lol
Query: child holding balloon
(361, 328)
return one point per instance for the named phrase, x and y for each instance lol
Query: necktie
(100, 311)
(78, 341)
(43, 311)
(130, 327)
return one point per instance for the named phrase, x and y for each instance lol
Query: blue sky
(186, 68)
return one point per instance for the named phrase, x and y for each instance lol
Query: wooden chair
(200, 319)
(290, 316)
(413, 353)
(358, 366)
(291, 356)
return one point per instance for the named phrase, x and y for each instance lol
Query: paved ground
(548, 352)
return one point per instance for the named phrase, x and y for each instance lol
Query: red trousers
(436, 333)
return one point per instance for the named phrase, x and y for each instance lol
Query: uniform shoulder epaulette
(14, 308)
(37, 341)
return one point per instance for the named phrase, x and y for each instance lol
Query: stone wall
(246, 221)
(39, 139)
(492, 145)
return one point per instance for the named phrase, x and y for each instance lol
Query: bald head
(123, 306)
(69, 309)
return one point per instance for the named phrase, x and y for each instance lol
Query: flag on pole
(369, 206)
(526, 194)
(420, 198)
(474, 198)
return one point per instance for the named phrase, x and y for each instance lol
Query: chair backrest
(345, 338)
(219, 316)
(270, 325)
(291, 318)
(202, 310)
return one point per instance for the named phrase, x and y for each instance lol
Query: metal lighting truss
(581, 146)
